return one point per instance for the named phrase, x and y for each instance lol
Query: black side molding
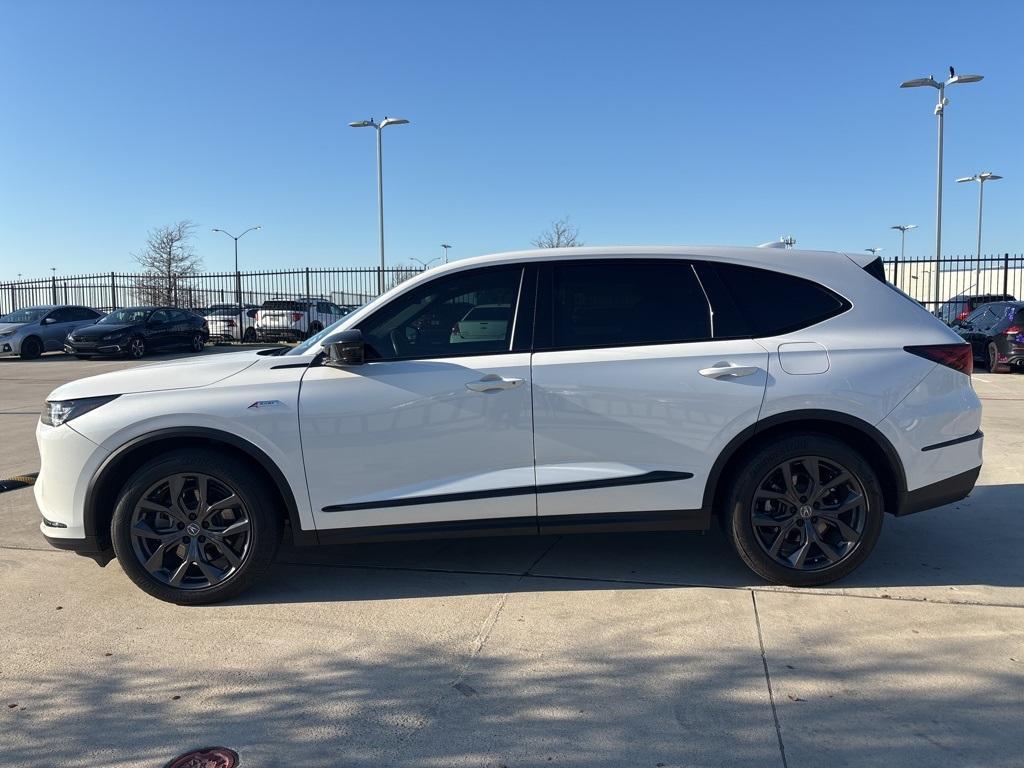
(660, 476)
(976, 436)
(935, 495)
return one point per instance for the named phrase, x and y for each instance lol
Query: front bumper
(93, 348)
(10, 347)
(68, 461)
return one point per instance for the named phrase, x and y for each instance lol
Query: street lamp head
(216, 230)
(393, 121)
(874, 251)
(989, 176)
(363, 124)
(920, 82)
(962, 179)
(955, 79)
(445, 245)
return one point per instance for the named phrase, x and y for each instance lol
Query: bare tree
(561, 234)
(167, 256)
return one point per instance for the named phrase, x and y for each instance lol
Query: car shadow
(975, 542)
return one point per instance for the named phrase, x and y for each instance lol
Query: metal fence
(997, 274)
(111, 290)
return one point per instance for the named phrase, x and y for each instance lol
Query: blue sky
(646, 122)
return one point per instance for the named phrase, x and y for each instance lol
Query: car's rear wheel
(314, 328)
(804, 510)
(994, 366)
(198, 343)
(136, 347)
(31, 348)
(194, 527)
(249, 337)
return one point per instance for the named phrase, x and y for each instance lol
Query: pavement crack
(768, 680)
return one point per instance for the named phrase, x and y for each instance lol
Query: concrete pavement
(625, 650)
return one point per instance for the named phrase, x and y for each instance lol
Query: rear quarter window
(749, 301)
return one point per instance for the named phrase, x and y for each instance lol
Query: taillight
(230, 323)
(956, 356)
(963, 314)
(1013, 330)
(296, 316)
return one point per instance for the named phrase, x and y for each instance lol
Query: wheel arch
(859, 434)
(101, 492)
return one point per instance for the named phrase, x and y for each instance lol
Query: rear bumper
(935, 495)
(279, 334)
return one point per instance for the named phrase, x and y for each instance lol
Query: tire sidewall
(31, 348)
(251, 488)
(740, 528)
(992, 356)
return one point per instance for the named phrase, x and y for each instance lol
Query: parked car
(295, 319)
(793, 397)
(228, 322)
(996, 335)
(485, 321)
(959, 307)
(135, 331)
(29, 332)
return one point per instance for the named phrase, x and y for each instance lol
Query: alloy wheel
(191, 531)
(809, 513)
(198, 343)
(136, 347)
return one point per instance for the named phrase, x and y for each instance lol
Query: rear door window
(754, 302)
(615, 303)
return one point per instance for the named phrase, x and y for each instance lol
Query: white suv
(295, 319)
(794, 396)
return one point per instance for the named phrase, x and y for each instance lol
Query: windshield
(24, 316)
(127, 316)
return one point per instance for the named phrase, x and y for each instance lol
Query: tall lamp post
(940, 107)
(903, 228)
(981, 178)
(446, 247)
(238, 276)
(371, 123)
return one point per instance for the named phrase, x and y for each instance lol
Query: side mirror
(344, 349)
(49, 320)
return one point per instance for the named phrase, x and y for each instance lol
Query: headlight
(5, 334)
(56, 412)
(112, 336)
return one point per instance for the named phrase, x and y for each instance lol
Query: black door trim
(976, 436)
(659, 476)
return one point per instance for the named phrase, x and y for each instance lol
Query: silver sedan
(29, 332)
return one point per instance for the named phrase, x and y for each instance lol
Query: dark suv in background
(996, 334)
(959, 307)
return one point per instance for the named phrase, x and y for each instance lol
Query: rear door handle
(492, 382)
(722, 370)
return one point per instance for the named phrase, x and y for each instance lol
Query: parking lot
(615, 650)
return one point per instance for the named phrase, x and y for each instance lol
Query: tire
(992, 358)
(198, 343)
(136, 348)
(249, 337)
(184, 559)
(31, 348)
(762, 514)
(314, 329)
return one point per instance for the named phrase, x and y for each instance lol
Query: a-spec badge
(267, 404)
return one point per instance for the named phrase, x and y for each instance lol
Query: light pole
(238, 276)
(446, 247)
(903, 228)
(424, 264)
(940, 106)
(371, 123)
(981, 178)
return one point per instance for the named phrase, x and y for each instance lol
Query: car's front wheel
(31, 348)
(804, 510)
(136, 347)
(194, 527)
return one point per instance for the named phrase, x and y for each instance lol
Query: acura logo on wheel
(192, 529)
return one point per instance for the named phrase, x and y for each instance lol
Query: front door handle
(492, 382)
(722, 370)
